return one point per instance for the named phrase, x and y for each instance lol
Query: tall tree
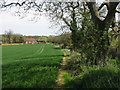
(68, 14)
(102, 26)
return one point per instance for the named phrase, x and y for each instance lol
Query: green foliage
(115, 62)
(68, 81)
(82, 76)
(44, 38)
(25, 66)
(10, 37)
(64, 40)
(92, 43)
(115, 43)
(17, 39)
(96, 77)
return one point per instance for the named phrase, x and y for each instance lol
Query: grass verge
(81, 76)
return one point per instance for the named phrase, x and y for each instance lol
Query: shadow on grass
(43, 56)
(102, 78)
(57, 48)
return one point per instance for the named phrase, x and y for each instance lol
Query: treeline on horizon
(64, 39)
(11, 37)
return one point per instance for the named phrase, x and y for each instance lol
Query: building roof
(30, 39)
(40, 41)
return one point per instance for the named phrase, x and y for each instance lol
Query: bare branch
(111, 11)
(17, 4)
(76, 5)
(66, 22)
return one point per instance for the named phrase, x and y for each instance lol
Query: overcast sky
(25, 26)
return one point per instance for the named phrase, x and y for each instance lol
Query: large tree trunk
(74, 40)
(102, 26)
(102, 48)
(74, 30)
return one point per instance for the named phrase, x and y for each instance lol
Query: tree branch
(117, 11)
(93, 11)
(66, 22)
(76, 5)
(111, 12)
(104, 4)
(62, 17)
(3, 6)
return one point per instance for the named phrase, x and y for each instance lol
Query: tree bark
(102, 26)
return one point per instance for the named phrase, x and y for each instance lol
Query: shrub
(100, 77)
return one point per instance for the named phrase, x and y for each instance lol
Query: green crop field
(30, 66)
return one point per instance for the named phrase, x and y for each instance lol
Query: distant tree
(21, 39)
(64, 40)
(17, 38)
(52, 39)
(43, 38)
(8, 35)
